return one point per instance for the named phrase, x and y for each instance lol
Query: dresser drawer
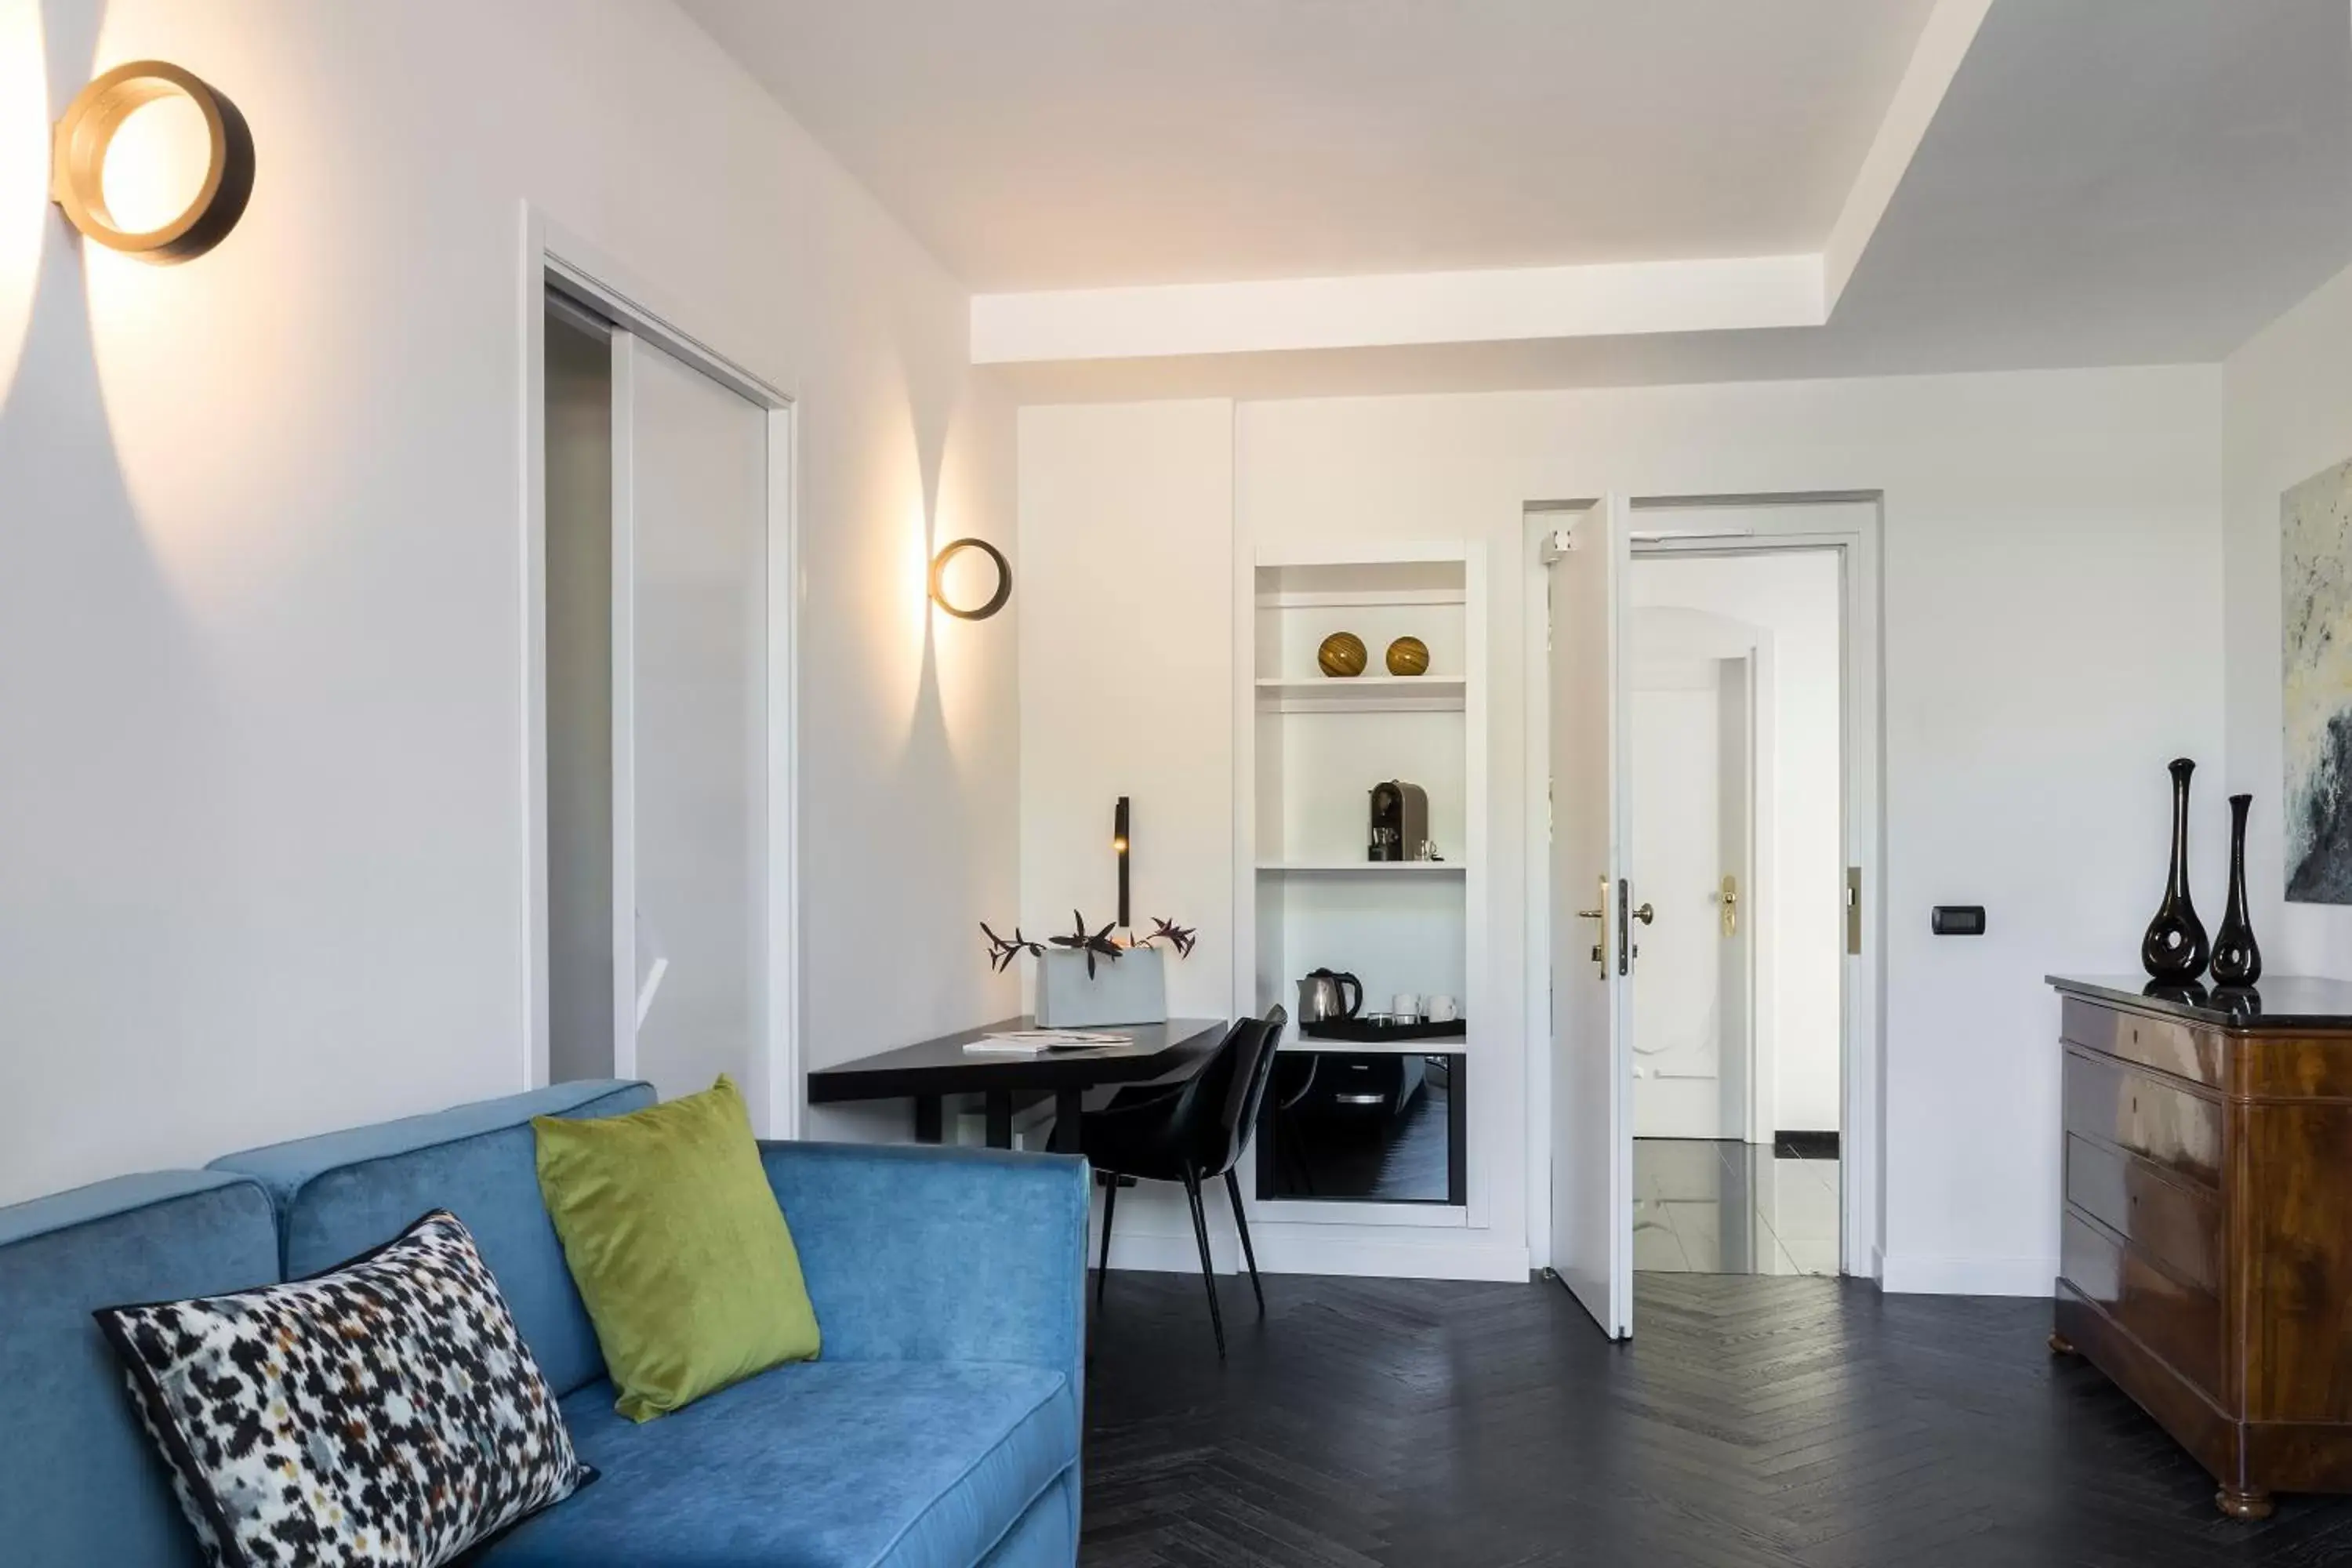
(2178, 1321)
(2159, 1043)
(2178, 1225)
(2144, 1115)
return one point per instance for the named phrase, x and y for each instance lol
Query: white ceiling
(1073, 143)
(2104, 181)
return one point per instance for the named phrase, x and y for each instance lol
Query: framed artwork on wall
(2315, 577)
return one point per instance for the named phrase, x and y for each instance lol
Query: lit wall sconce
(78, 157)
(1119, 843)
(968, 610)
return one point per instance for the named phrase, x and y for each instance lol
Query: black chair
(1190, 1133)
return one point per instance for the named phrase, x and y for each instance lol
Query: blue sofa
(939, 1427)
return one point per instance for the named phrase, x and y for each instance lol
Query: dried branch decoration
(1180, 938)
(1100, 944)
(1001, 952)
(1079, 941)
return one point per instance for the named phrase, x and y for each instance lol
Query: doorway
(1734, 674)
(1717, 1026)
(660, 717)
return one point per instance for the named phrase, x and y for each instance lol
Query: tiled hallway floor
(1707, 1207)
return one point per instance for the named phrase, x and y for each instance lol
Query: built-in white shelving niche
(1316, 746)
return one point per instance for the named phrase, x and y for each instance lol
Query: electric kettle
(1326, 994)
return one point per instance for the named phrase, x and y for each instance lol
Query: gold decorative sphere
(1408, 656)
(1342, 655)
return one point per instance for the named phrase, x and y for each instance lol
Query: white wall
(260, 798)
(2053, 616)
(1795, 598)
(2288, 414)
(1126, 669)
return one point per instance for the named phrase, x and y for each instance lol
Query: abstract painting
(2315, 573)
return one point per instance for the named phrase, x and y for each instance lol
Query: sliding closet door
(691, 725)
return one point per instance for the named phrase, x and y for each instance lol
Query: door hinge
(1853, 909)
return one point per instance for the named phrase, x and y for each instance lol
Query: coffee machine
(1399, 822)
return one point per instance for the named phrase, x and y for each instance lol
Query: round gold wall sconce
(969, 611)
(77, 167)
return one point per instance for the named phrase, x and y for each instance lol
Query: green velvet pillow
(678, 1248)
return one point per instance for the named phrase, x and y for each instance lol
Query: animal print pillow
(385, 1414)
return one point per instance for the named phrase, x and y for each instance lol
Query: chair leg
(1208, 1268)
(1110, 1206)
(1249, 1253)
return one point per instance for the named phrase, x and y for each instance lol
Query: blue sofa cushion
(343, 1192)
(79, 1482)
(819, 1465)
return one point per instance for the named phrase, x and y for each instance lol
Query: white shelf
(1364, 694)
(1361, 868)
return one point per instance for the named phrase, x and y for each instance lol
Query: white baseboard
(1150, 1254)
(1457, 1255)
(1449, 1256)
(1913, 1273)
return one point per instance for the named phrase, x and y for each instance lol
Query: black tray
(1375, 1031)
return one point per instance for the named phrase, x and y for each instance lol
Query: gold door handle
(1646, 914)
(1729, 899)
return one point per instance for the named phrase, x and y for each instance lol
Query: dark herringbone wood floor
(1752, 1422)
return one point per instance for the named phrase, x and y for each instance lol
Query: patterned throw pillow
(385, 1414)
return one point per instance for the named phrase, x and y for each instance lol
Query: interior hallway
(1708, 1207)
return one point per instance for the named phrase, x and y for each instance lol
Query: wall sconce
(78, 166)
(1120, 844)
(968, 611)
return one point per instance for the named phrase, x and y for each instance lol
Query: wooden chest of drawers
(2205, 1251)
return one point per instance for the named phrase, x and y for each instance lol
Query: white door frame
(1750, 524)
(552, 256)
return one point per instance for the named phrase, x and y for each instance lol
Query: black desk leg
(1069, 1113)
(1000, 1119)
(927, 1118)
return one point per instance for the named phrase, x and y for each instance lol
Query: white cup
(1442, 1009)
(1405, 1005)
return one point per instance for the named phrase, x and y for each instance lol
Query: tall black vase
(2174, 949)
(2237, 956)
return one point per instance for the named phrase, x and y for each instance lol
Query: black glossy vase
(2237, 956)
(2174, 949)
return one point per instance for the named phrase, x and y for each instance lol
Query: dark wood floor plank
(1755, 1422)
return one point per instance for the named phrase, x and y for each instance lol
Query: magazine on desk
(1038, 1042)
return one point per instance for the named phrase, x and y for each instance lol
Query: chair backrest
(1232, 1087)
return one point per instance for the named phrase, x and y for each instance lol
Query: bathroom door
(1591, 909)
(690, 622)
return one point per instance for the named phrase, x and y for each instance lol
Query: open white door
(690, 727)
(1591, 911)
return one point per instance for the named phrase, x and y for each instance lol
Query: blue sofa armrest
(920, 1253)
